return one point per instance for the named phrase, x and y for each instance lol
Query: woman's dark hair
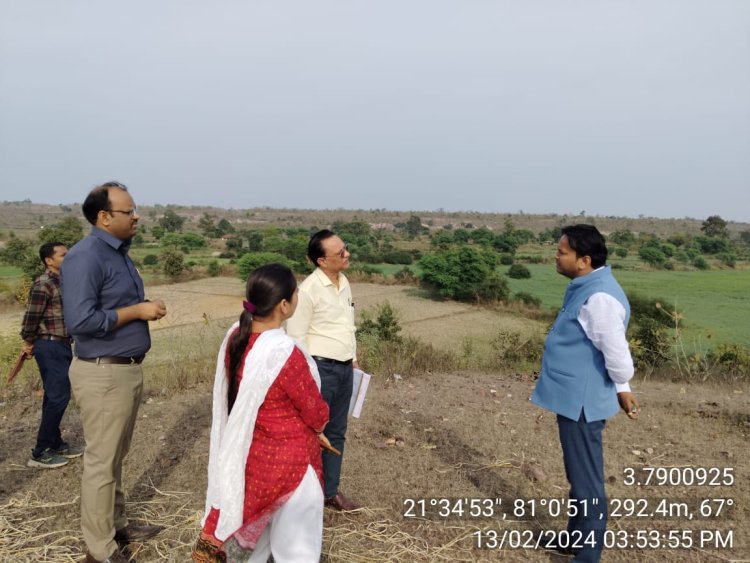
(315, 246)
(98, 200)
(586, 240)
(266, 287)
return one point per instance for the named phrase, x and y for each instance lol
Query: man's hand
(152, 310)
(629, 404)
(146, 311)
(326, 445)
(28, 348)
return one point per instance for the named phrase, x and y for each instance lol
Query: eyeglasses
(341, 253)
(130, 212)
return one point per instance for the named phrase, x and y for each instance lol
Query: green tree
(173, 263)
(458, 273)
(23, 254)
(245, 241)
(493, 288)
(253, 260)
(224, 227)
(701, 263)
(350, 230)
(551, 235)
(713, 245)
(678, 239)
(442, 239)
(183, 240)
(67, 231)
(623, 237)
(518, 272)
(213, 268)
(652, 256)
(157, 231)
(207, 227)
(385, 326)
(398, 257)
(413, 226)
(523, 236)
(171, 222)
(16, 251)
(727, 258)
(483, 236)
(461, 236)
(715, 226)
(506, 243)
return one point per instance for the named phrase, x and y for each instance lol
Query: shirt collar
(324, 279)
(111, 240)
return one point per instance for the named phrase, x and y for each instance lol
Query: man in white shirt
(324, 323)
(585, 371)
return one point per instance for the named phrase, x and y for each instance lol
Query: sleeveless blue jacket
(573, 376)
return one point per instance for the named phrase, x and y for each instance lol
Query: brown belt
(114, 359)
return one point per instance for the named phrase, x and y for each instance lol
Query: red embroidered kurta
(284, 444)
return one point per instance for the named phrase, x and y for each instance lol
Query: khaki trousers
(108, 397)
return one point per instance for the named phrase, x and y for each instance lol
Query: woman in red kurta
(282, 469)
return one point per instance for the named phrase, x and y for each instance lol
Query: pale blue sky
(615, 107)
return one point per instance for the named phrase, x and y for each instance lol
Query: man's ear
(585, 261)
(103, 217)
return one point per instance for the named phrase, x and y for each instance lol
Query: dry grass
(25, 534)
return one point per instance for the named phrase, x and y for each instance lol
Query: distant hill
(24, 217)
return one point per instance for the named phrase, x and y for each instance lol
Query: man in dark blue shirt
(107, 315)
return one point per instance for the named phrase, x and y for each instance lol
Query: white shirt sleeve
(602, 318)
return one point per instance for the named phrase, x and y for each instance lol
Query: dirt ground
(421, 440)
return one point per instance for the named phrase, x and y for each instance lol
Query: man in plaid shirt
(45, 337)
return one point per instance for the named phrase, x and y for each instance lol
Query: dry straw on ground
(24, 519)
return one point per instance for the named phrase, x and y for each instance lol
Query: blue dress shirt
(97, 278)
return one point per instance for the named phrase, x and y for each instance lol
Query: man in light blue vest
(585, 372)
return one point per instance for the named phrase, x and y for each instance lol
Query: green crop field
(715, 303)
(10, 272)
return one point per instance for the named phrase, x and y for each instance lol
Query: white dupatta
(232, 435)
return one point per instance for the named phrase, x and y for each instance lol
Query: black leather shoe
(131, 533)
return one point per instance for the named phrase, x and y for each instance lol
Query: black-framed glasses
(130, 212)
(341, 253)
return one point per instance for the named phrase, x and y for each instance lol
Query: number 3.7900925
(687, 476)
